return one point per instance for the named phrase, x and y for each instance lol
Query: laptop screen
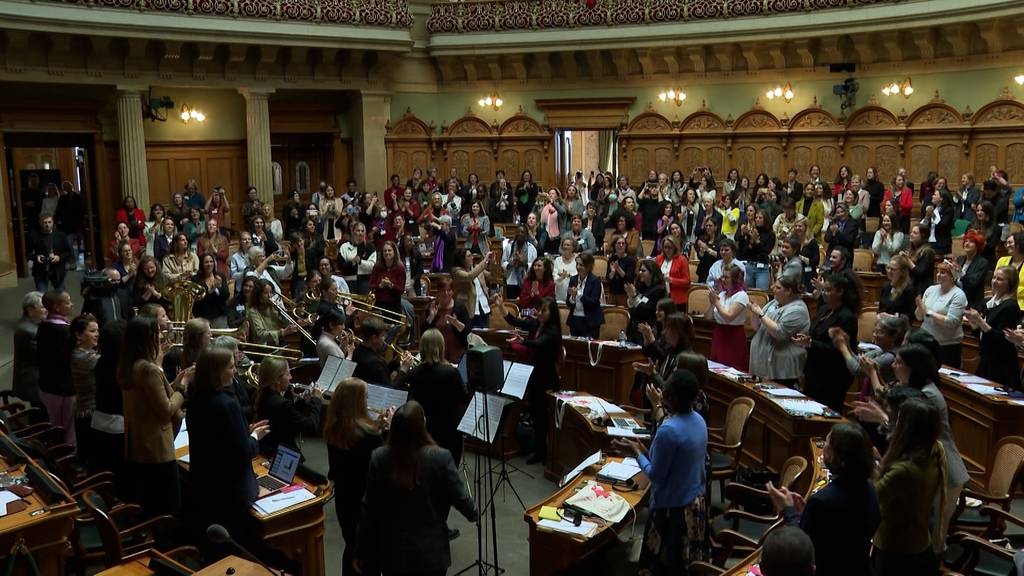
(286, 462)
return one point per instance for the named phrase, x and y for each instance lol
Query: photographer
(106, 297)
(49, 251)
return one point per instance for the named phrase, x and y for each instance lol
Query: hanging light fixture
(1019, 79)
(673, 95)
(492, 101)
(905, 88)
(784, 92)
(189, 113)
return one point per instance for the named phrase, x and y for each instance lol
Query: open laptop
(282, 470)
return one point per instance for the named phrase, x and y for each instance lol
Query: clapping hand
(922, 310)
(802, 340)
(713, 297)
(867, 365)
(646, 331)
(455, 323)
(260, 429)
(973, 317)
(644, 368)
(1016, 335)
(869, 411)
(839, 337)
(756, 309)
(783, 497)
(653, 394)
(630, 290)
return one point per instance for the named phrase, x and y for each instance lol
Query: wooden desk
(43, 526)
(138, 565)
(552, 553)
(241, 567)
(576, 438)
(609, 377)
(870, 287)
(297, 531)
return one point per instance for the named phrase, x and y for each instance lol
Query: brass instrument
(278, 301)
(182, 295)
(265, 351)
(362, 303)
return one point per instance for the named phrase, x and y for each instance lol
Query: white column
(369, 156)
(257, 139)
(132, 146)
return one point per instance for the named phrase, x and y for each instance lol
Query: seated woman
(842, 517)
(621, 271)
(330, 325)
(999, 315)
(674, 534)
(728, 309)
(538, 285)
(438, 387)
(941, 312)
(270, 268)
(644, 298)
(214, 305)
(584, 300)
(773, 353)
(287, 415)
(266, 326)
(676, 269)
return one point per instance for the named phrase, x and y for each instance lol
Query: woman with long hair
(825, 375)
(121, 236)
(287, 415)
(727, 306)
(922, 257)
(543, 344)
(195, 227)
(261, 236)
(666, 217)
(182, 262)
(939, 217)
(451, 317)
(624, 227)
(266, 327)
(941, 312)
(526, 194)
(643, 298)
(410, 487)
(675, 336)
(898, 295)
(888, 241)
(85, 335)
(438, 387)
(549, 219)
(708, 243)
(476, 227)
(387, 281)
(901, 196)
(351, 437)
(153, 227)
(755, 247)
(676, 269)
(985, 223)
(470, 281)
(999, 315)
(621, 271)
(538, 285)
(148, 283)
(218, 207)
(330, 212)
(133, 217)
(152, 415)
(773, 353)
(215, 243)
(238, 306)
(1015, 259)
(214, 304)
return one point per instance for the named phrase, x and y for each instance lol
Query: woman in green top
(913, 473)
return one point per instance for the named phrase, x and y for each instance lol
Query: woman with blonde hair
(351, 437)
(288, 415)
(438, 387)
(898, 292)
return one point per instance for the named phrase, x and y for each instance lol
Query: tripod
(503, 477)
(484, 480)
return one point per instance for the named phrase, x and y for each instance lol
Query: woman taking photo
(287, 415)
(971, 269)
(152, 415)
(676, 269)
(216, 244)
(643, 298)
(182, 262)
(825, 376)
(998, 315)
(674, 534)
(387, 281)
(584, 300)
(564, 267)
(218, 208)
(538, 285)
(727, 306)
(214, 305)
(774, 355)
(941, 312)
(543, 344)
(351, 437)
(621, 271)
(888, 242)
(438, 387)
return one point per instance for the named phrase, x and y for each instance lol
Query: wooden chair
(615, 320)
(871, 224)
(725, 454)
(971, 554)
(705, 569)
(1007, 461)
(648, 248)
(693, 270)
(698, 300)
(563, 313)
(600, 266)
(865, 324)
(498, 316)
(863, 260)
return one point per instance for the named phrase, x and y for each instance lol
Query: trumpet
(404, 356)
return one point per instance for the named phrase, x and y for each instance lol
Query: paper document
(801, 407)
(585, 529)
(587, 463)
(783, 392)
(618, 471)
(516, 379)
(986, 389)
(184, 458)
(625, 433)
(481, 420)
(6, 497)
(335, 370)
(281, 500)
(380, 398)
(181, 440)
(631, 462)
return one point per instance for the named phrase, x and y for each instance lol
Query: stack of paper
(625, 433)
(783, 392)
(585, 529)
(281, 500)
(801, 407)
(619, 471)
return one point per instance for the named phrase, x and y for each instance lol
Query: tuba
(182, 295)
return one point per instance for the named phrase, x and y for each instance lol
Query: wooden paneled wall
(935, 137)
(471, 145)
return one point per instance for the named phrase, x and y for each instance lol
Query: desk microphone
(219, 535)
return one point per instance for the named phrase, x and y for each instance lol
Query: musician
(287, 415)
(451, 318)
(49, 252)
(438, 387)
(388, 279)
(643, 298)
(266, 326)
(357, 258)
(195, 337)
(238, 389)
(331, 328)
(544, 345)
(269, 268)
(470, 285)
(369, 354)
(214, 304)
(238, 306)
(584, 299)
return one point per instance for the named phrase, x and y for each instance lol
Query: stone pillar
(257, 139)
(369, 156)
(132, 146)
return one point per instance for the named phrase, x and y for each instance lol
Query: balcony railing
(502, 15)
(381, 13)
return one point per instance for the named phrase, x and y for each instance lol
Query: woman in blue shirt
(675, 531)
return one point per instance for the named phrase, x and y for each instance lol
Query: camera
(97, 284)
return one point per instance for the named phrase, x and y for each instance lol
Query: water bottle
(622, 338)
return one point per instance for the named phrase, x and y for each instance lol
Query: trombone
(277, 301)
(362, 303)
(265, 351)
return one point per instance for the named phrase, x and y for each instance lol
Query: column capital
(256, 92)
(131, 90)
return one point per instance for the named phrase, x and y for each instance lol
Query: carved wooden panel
(920, 162)
(985, 155)
(664, 160)
(639, 165)
(420, 159)
(533, 158)
(459, 159)
(813, 120)
(483, 165)
(510, 164)
(1015, 162)
(934, 115)
(716, 160)
(872, 118)
(887, 160)
(800, 157)
(859, 158)
(745, 160)
(828, 160)
(771, 160)
(691, 158)
(1008, 112)
(948, 163)
(400, 163)
(757, 120)
(702, 122)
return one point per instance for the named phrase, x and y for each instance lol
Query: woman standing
(1000, 314)
(621, 271)
(214, 305)
(755, 248)
(476, 227)
(526, 194)
(707, 249)
(971, 269)
(941, 312)
(676, 270)
(351, 437)
(902, 197)
(564, 268)
(287, 415)
(1015, 259)
(152, 414)
(538, 285)
(218, 207)
(215, 243)
(470, 281)
(148, 283)
(133, 217)
(826, 378)
(643, 298)
(261, 238)
(543, 343)
(922, 257)
(549, 221)
(195, 228)
(126, 264)
(985, 223)
(85, 335)
(181, 263)
(153, 227)
(438, 387)
(898, 295)
(674, 535)
(584, 300)
(331, 208)
(239, 304)
(773, 353)
(387, 281)
(939, 217)
(452, 319)
(728, 305)
(888, 242)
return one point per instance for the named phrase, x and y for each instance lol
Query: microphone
(218, 534)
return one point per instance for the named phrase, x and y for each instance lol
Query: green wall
(973, 88)
(224, 109)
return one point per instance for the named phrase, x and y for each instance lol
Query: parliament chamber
(689, 287)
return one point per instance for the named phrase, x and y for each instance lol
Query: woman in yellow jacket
(813, 209)
(1015, 258)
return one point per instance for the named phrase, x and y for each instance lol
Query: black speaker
(485, 369)
(849, 67)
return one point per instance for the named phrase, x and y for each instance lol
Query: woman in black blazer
(584, 300)
(826, 378)
(644, 298)
(939, 215)
(544, 345)
(972, 269)
(410, 487)
(287, 415)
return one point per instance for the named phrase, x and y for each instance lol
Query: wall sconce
(188, 114)
(905, 88)
(784, 92)
(1019, 79)
(492, 101)
(672, 95)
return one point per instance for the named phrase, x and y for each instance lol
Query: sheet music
(380, 398)
(516, 378)
(473, 422)
(335, 370)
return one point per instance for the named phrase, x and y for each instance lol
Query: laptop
(282, 470)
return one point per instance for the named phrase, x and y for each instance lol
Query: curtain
(606, 149)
